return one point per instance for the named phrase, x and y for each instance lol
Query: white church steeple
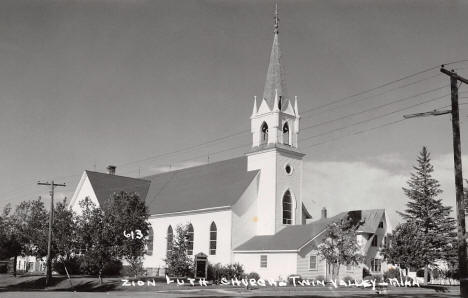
(276, 121)
(274, 128)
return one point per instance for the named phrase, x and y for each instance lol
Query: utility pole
(461, 235)
(51, 218)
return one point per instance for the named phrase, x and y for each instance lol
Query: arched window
(190, 240)
(286, 133)
(170, 237)
(149, 242)
(264, 134)
(287, 208)
(213, 238)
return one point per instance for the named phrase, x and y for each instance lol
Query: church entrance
(201, 265)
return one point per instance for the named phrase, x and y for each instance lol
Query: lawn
(34, 286)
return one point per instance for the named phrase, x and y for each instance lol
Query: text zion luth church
(249, 209)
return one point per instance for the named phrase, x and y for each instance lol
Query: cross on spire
(275, 84)
(276, 18)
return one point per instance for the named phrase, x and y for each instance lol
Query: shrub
(213, 272)
(218, 271)
(88, 267)
(3, 268)
(253, 275)
(73, 265)
(136, 268)
(320, 277)
(112, 268)
(365, 272)
(436, 273)
(453, 274)
(391, 273)
(347, 278)
(420, 273)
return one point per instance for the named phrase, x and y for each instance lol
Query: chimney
(111, 169)
(324, 213)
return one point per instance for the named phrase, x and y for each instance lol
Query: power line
(380, 86)
(353, 134)
(373, 118)
(369, 129)
(186, 148)
(335, 101)
(373, 108)
(314, 108)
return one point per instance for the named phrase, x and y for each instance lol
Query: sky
(88, 83)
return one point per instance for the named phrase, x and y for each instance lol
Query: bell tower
(275, 129)
(275, 119)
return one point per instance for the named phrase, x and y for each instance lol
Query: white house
(248, 209)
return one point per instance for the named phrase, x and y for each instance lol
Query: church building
(246, 210)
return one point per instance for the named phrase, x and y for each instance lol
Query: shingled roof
(218, 184)
(104, 185)
(290, 238)
(294, 237)
(371, 219)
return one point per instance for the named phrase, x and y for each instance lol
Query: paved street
(286, 292)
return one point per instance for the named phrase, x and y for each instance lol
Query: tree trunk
(426, 275)
(100, 276)
(68, 275)
(337, 271)
(15, 259)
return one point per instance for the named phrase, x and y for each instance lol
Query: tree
(65, 237)
(31, 222)
(97, 238)
(127, 216)
(426, 213)
(24, 231)
(178, 262)
(406, 246)
(115, 231)
(10, 244)
(340, 245)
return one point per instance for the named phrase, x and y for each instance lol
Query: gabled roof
(293, 238)
(371, 219)
(290, 238)
(213, 185)
(104, 185)
(218, 184)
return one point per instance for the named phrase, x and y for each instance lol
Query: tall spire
(275, 79)
(276, 18)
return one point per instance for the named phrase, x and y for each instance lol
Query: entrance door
(201, 265)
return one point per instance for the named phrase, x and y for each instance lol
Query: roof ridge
(194, 167)
(113, 175)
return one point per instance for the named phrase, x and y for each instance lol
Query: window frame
(190, 239)
(285, 132)
(264, 133)
(310, 263)
(376, 264)
(375, 241)
(263, 261)
(285, 220)
(213, 240)
(150, 242)
(169, 240)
